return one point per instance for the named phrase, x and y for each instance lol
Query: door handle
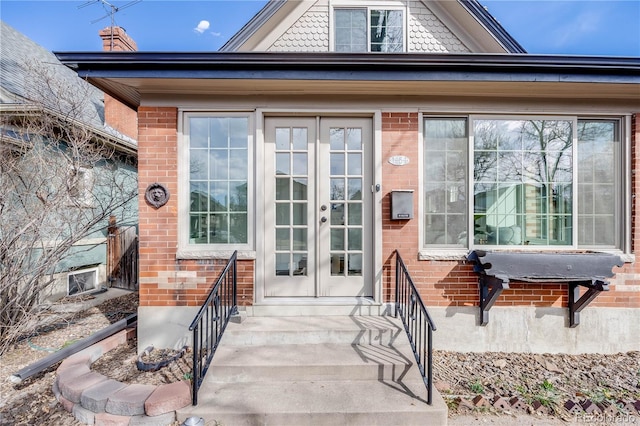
(323, 207)
(323, 219)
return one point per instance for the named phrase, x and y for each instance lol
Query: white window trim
(212, 251)
(83, 271)
(624, 199)
(84, 199)
(355, 4)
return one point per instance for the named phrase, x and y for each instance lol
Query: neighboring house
(289, 144)
(42, 102)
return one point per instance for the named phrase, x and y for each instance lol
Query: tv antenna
(111, 12)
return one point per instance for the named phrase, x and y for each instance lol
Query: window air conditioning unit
(82, 281)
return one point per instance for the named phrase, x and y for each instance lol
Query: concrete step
(315, 371)
(314, 329)
(283, 403)
(321, 361)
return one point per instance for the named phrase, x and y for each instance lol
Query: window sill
(443, 254)
(461, 253)
(191, 254)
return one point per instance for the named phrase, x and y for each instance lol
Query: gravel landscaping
(480, 388)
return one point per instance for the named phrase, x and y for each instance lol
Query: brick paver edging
(95, 399)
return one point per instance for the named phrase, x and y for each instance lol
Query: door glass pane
(300, 188)
(337, 214)
(282, 188)
(355, 189)
(282, 163)
(300, 164)
(354, 139)
(300, 138)
(282, 264)
(337, 264)
(300, 214)
(299, 264)
(299, 239)
(282, 239)
(355, 239)
(282, 138)
(337, 189)
(354, 164)
(337, 239)
(282, 214)
(336, 139)
(355, 264)
(337, 164)
(355, 214)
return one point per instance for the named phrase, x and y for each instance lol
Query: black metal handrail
(211, 321)
(417, 323)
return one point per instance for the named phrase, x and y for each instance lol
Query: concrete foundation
(536, 330)
(510, 329)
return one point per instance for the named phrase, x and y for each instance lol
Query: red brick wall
(453, 283)
(116, 114)
(165, 280)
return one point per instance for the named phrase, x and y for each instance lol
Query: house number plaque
(399, 160)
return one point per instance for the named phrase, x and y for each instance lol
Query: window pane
(350, 30)
(198, 133)
(238, 196)
(597, 209)
(218, 180)
(445, 184)
(238, 229)
(386, 31)
(523, 171)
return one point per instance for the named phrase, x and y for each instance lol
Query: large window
(368, 30)
(531, 184)
(218, 179)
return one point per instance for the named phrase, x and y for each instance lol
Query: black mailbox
(401, 204)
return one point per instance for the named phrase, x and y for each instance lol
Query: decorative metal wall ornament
(157, 195)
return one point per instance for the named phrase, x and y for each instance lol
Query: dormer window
(368, 30)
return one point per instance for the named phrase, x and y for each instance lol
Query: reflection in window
(597, 150)
(384, 33)
(523, 182)
(445, 182)
(218, 179)
(523, 173)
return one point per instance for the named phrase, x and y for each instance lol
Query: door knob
(323, 219)
(323, 207)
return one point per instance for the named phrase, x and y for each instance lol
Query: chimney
(116, 39)
(116, 114)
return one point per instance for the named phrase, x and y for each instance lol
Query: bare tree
(60, 180)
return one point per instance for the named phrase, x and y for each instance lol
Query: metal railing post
(416, 321)
(222, 294)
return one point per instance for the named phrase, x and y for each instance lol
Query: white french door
(318, 207)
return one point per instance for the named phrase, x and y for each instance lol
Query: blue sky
(567, 27)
